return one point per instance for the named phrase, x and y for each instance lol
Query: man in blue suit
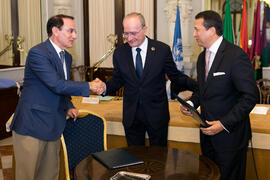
(140, 66)
(45, 101)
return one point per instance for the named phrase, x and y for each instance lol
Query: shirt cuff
(104, 93)
(224, 127)
(190, 103)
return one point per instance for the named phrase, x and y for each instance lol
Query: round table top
(159, 162)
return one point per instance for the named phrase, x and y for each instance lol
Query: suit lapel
(150, 54)
(218, 59)
(130, 62)
(201, 70)
(148, 60)
(57, 60)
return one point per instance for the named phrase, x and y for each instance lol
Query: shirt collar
(143, 46)
(214, 47)
(58, 50)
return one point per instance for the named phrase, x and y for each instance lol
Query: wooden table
(185, 130)
(181, 128)
(159, 162)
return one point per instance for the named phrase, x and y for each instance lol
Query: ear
(145, 29)
(55, 31)
(213, 31)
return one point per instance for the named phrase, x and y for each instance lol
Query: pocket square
(218, 73)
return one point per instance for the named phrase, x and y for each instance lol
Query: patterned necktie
(207, 58)
(139, 68)
(62, 56)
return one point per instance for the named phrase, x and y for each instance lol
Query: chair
(120, 92)
(264, 91)
(83, 137)
(64, 173)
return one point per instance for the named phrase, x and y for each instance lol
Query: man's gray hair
(142, 20)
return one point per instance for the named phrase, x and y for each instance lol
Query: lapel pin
(153, 48)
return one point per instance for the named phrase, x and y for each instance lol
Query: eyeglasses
(126, 34)
(69, 30)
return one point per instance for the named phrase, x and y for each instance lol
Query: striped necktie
(62, 56)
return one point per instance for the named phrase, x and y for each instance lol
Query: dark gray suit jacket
(151, 88)
(228, 95)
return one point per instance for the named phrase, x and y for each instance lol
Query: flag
(243, 32)
(255, 50)
(256, 44)
(177, 49)
(227, 24)
(264, 57)
(239, 30)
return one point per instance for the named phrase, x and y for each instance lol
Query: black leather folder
(195, 113)
(116, 158)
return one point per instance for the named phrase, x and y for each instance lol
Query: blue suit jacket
(45, 98)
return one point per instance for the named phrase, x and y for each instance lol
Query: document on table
(260, 110)
(90, 100)
(105, 98)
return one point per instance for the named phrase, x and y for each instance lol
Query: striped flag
(265, 55)
(227, 24)
(256, 37)
(177, 49)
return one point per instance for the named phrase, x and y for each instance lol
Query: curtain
(5, 29)
(29, 25)
(101, 24)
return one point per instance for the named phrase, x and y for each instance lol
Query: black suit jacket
(228, 95)
(151, 89)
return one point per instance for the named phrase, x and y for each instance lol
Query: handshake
(97, 86)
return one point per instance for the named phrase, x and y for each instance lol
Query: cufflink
(153, 48)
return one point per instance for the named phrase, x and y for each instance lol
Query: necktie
(207, 58)
(62, 56)
(139, 68)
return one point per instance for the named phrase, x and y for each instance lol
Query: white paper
(260, 110)
(105, 98)
(90, 100)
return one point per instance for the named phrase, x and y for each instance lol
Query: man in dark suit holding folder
(227, 93)
(140, 66)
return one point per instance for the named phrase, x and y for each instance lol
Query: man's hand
(73, 113)
(97, 86)
(185, 110)
(215, 128)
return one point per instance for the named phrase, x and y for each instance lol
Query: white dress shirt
(143, 48)
(213, 51)
(58, 50)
